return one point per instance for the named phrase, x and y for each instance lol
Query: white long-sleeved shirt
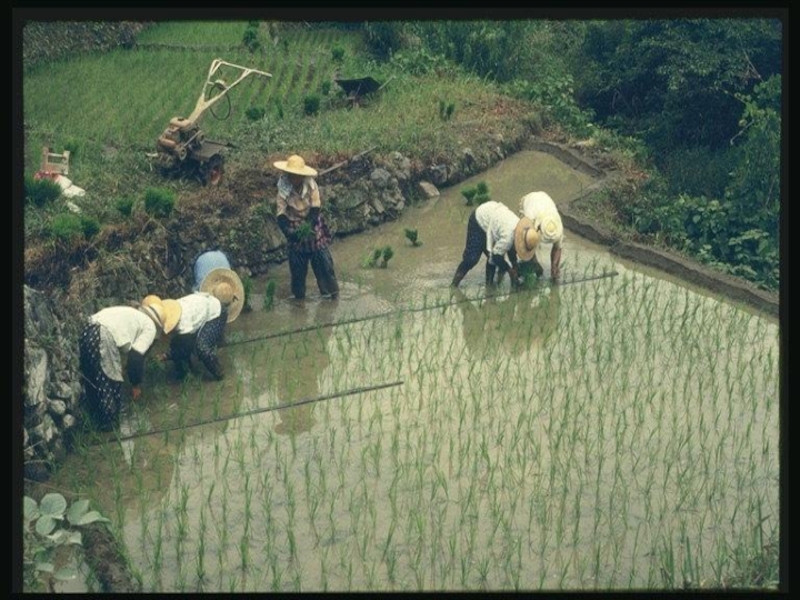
(540, 208)
(196, 310)
(130, 327)
(499, 222)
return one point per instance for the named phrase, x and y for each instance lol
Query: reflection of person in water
(308, 355)
(512, 323)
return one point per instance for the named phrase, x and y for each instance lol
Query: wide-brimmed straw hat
(225, 285)
(525, 239)
(165, 313)
(295, 164)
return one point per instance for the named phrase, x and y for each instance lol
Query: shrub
(66, 227)
(124, 205)
(337, 53)
(39, 192)
(325, 88)
(250, 39)
(90, 226)
(311, 104)
(159, 202)
(254, 113)
(698, 171)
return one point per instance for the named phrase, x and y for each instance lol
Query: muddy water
(620, 433)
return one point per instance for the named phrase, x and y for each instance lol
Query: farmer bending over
(540, 208)
(107, 335)
(494, 230)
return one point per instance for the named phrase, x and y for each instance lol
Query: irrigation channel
(618, 433)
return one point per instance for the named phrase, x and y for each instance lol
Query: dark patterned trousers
(204, 343)
(102, 395)
(322, 265)
(474, 247)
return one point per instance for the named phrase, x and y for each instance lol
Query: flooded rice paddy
(620, 433)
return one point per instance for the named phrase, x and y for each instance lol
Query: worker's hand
(136, 391)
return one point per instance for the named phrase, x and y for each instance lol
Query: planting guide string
(403, 310)
(334, 324)
(358, 390)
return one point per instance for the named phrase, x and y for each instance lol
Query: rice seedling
(552, 464)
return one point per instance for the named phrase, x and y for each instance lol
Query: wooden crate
(52, 162)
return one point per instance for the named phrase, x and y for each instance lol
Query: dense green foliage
(159, 202)
(68, 227)
(124, 205)
(674, 82)
(703, 95)
(40, 192)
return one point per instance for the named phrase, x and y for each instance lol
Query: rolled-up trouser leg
(322, 265)
(208, 338)
(298, 269)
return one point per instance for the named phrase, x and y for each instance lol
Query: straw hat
(525, 239)
(295, 164)
(165, 313)
(225, 285)
(551, 228)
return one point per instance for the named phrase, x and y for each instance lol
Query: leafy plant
(159, 202)
(477, 194)
(250, 38)
(124, 205)
(48, 526)
(65, 227)
(255, 113)
(446, 110)
(41, 191)
(90, 226)
(386, 255)
(372, 259)
(303, 232)
(269, 295)
(413, 236)
(247, 284)
(337, 53)
(311, 104)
